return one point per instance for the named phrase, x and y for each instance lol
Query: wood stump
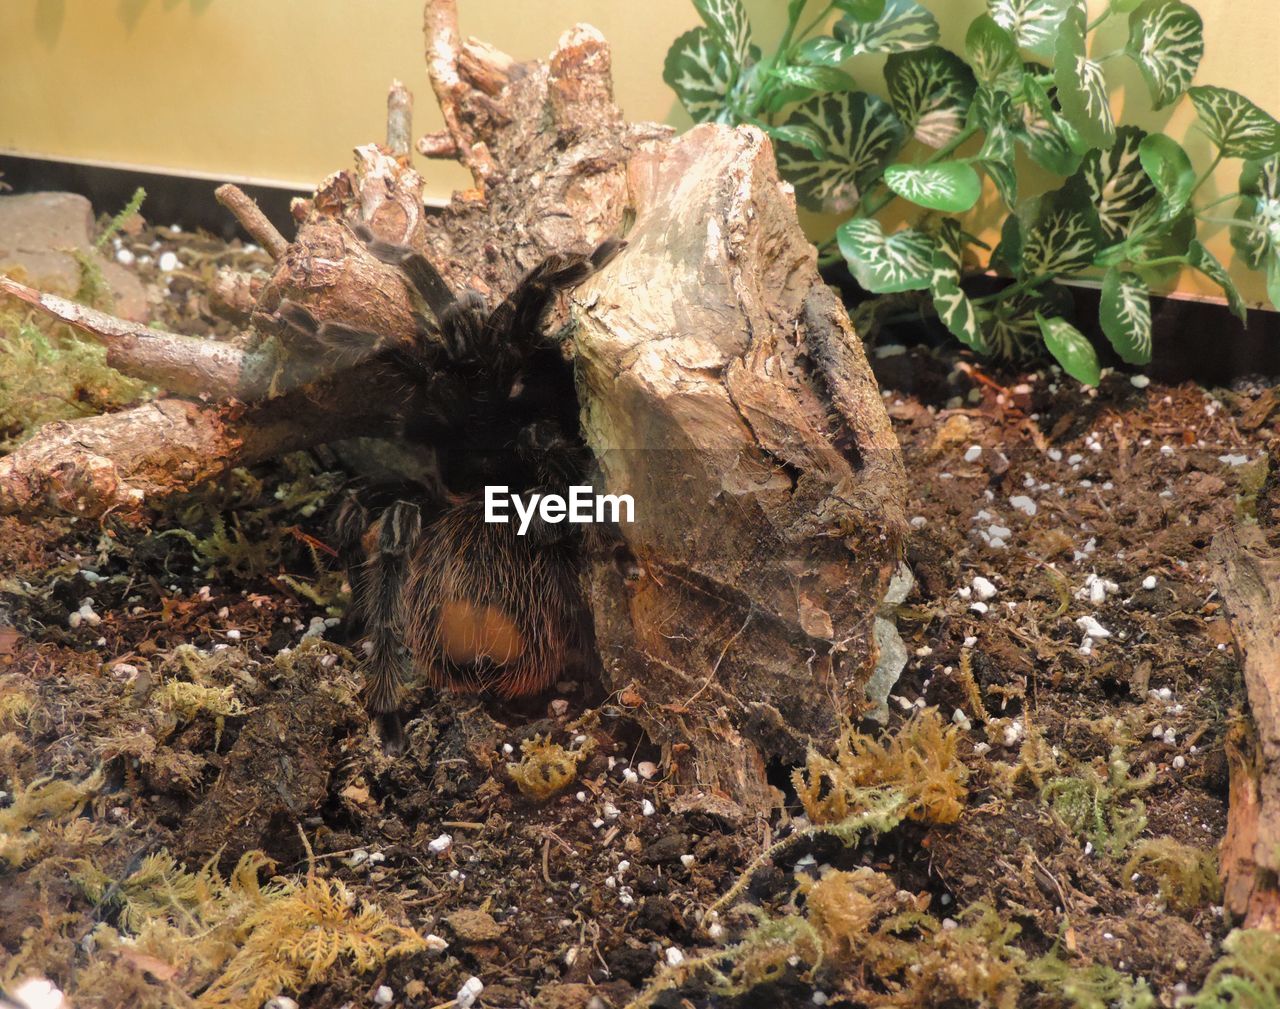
(720, 382)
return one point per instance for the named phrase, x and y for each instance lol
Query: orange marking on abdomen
(470, 633)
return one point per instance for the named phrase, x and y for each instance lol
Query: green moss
(46, 374)
(1089, 986)
(1104, 810)
(1246, 977)
(1187, 876)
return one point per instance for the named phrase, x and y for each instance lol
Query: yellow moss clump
(972, 963)
(216, 943)
(841, 907)
(185, 701)
(546, 768)
(919, 761)
(1187, 876)
(16, 704)
(43, 813)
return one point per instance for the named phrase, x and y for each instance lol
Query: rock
(37, 232)
(471, 926)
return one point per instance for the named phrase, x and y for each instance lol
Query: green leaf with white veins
(1009, 327)
(700, 71)
(727, 19)
(1205, 261)
(1170, 171)
(860, 133)
(1258, 235)
(953, 306)
(991, 112)
(1071, 349)
(950, 186)
(903, 26)
(1065, 234)
(885, 265)
(930, 89)
(1118, 185)
(1238, 127)
(804, 136)
(1082, 87)
(1166, 40)
(1125, 315)
(1032, 23)
(815, 78)
(993, 55)
(822, 51)
(1041, 131)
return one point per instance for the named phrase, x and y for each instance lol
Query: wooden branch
(1247, 573)
(118, 462)
(252, 219)
(234, 295)
(399, 120)
(440, 29)
(184, 365)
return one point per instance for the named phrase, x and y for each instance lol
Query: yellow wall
(279, 91)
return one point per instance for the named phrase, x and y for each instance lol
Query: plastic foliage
(1030, 86)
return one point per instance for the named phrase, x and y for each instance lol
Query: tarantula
(438, 591)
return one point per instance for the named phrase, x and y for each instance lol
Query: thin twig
(252, 219)
(399, 120)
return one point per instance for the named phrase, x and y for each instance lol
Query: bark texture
(720, 381)
(1248, 577)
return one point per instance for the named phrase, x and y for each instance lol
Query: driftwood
(721, 386)
(1247, 572)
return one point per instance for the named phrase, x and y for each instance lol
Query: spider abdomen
(487, 609)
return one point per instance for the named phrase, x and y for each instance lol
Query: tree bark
(1247, 572)
(721, 385)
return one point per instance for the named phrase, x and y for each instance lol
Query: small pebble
(469, 992)
(1139, 381)
(1022, 503)
(440, 845)
(647, 769)
(973, 453)
(1092, 628)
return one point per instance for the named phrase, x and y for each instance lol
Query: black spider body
(441, 594)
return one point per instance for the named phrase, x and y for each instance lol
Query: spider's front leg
(517, 322)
